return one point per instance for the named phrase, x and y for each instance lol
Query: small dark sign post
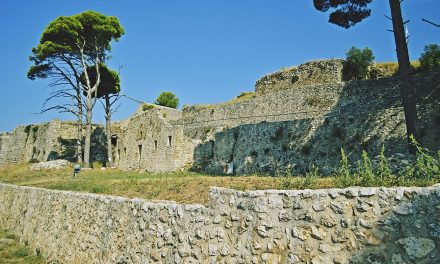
(76, 169)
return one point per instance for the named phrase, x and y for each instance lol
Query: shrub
(27, 129)
(357, 63)
(430, 57)
(147, 107)
(167, 99)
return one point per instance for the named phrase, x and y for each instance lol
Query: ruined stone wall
(149, 142)
(377, 225)
(298, 103)
(261, 135)
(309, 73)
(52, 140)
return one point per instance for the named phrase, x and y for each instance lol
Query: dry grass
(391, 68)
(12, 252)
(242, 97)
(183, 187)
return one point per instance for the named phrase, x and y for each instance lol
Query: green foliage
(345, 13)
(365, 171)
(311, 178)
(66, 34)
(430, 58)
(146, 107)
(427, 166)
(27, 129)
(109, 80)
(67, 37)
(357, 63)
(21, 252)
(167, 99)
(343, 177)
(383, 170)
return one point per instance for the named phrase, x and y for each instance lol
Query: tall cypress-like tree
(347, 13)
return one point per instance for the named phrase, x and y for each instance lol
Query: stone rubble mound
(51, 165)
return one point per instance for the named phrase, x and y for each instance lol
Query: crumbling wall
(307, 74)
(149, 142)
(290, 130)
(48, 141)
(379, 225)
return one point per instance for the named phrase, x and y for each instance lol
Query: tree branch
(429, 22)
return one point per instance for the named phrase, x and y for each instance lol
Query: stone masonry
(299, 117)
(49, 141)
(354, 225)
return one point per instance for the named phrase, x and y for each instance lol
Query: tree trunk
(406, 88)
(79, 128)
(88, 131)
(108, 116)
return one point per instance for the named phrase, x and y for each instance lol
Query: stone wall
(296, 128)
(48, 141)
(355, 225)
(286, 126)
(309, 73)
(149, 142)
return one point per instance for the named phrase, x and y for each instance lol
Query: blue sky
(203, 51)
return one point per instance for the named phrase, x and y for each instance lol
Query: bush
(147, 107)
(167, 99)
(357, 63)
(430, 57)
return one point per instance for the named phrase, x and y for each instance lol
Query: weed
(365, 171)
(311, 178)
(383, 171)
(343, 177)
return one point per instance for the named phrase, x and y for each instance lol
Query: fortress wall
(309, 73)
(382, 225)
(298, 103)
(294, 146)
(48, 141)
(149, 142)
(257, 136)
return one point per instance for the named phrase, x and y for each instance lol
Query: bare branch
(429, 22)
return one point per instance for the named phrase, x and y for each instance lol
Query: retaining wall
(361, 225)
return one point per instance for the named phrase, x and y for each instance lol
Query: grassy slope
(180, 187)
(12, 252)
(187, 187)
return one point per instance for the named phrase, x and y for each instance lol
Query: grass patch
(190, 187)
(242, 97)
(12, 252)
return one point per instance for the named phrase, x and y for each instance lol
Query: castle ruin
(297, 117)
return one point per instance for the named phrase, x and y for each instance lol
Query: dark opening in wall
(155, 144)
(125, 151)
(119, 153)
(169, 141)
(114, 141)
(140, 152)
